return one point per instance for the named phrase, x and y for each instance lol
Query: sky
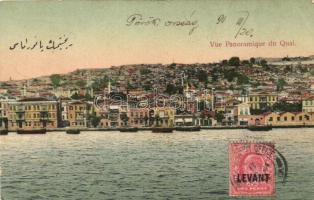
(101, 35)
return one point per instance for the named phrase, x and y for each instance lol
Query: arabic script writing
(61, 43)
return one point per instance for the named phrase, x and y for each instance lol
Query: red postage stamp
(251, 169)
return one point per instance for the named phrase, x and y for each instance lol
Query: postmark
(251, 169)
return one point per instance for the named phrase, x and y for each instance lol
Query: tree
(252, 61)
(55, 80)
(219, 116)
(230, 74)
(257, 111)
(202, 105)
(146, 118)
(5, 121)
(44, 118)
(234, 61)
(88, 97)
(224, 62)
(130, 86)
(263, 63)
(280, 84)
(287, 107)
(243, 79)
(94, 119)
(171, 89)
(157, 118)
(202, 76)
(245, 62)
(76, 96)
(147, 87)
(100, 84)
(81, 83)
(35, 80)
(288, 69)
(124, 117)
(145, 71)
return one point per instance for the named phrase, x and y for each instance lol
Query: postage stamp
(251, 169)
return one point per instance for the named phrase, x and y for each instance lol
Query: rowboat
(260, 128)
(128, 129)
(73, 131)
(188, 128)
(31, 131)
(4, 131)
(162, 130)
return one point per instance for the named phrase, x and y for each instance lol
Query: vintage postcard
(164, 99)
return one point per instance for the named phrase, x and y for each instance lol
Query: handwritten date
(241, 23)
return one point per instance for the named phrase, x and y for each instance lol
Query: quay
(177, 129)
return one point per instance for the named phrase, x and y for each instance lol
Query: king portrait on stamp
(251, 169)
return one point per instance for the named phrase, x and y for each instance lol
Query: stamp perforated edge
(273, 194)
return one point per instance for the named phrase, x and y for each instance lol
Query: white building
(308, 104)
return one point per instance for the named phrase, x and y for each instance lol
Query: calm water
(143, 165)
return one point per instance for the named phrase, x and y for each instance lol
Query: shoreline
(174, 128)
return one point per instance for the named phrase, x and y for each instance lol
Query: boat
(188, 128)
(73, 131)
(4, 132)
(162, 130)
(260, 128)
(128, 129)
(31, 131)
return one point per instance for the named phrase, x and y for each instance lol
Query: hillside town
(230, 93)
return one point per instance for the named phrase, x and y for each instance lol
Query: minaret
(91, 92)
(109, 87)
(187, 93)
(24, 90)
(213, 99)
(182, 80)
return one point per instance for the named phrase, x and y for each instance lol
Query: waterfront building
(250, 120)
(243, 120)
(242, 114)
(30, 113)
(3, 113)
(289, 118)
(162, 116)
(207, 118)
(138, 117)
(114, 116)
(242, 109)
(308, 104)
(185, 120)
(261, 101)
(64, 107)
(77, 113)
(257, 120)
